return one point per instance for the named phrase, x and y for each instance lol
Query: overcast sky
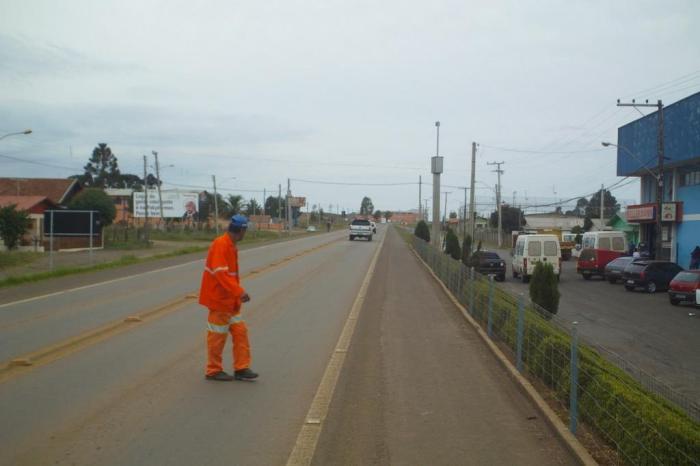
(340, 91)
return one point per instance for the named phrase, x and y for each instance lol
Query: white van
(606, 240)
(530, 249)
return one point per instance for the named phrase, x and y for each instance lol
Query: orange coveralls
(221, 293)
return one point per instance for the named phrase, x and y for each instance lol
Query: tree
(102, 169)
(366, 208)
(587, 223)
(453, 214)
(234, 205)
(13, 224)
(452, 245)
(610, 205)
(273, 204)
(95, 199)
(544, 288)
(422, 231)
(387, 215)
(510, 218)
(581, 205)
(466, 249)
(253, 207)
(377, 215)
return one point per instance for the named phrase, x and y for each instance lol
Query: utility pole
(444, 217)
(279, 201)
(472, 219)
(464, 217)
(420, 188)
(145, 190)
(160, 198)
(658, 243)
(498, 200)
(289, 207)
(216, 206)
(602, 205)
(264, 200)
(436, 169)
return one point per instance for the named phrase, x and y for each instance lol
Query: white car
(360, 228)
(311, 228)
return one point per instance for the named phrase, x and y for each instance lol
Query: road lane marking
(129, 277)
(305, 446)
(23, 363)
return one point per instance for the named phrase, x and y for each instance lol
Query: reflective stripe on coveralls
(219, 324)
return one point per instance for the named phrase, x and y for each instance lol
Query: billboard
(297, 201)
(72, 222)
(176, 204)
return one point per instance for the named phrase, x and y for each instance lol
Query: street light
(26, 131)
(659, 198)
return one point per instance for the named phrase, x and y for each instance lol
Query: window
(589, 242)
(534, 248)
(618, 244)
(550, 248)
(690, 178)
(604, 243)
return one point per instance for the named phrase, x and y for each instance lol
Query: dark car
(614, 269)
(682, 287)
(489, 263)
(650, 275)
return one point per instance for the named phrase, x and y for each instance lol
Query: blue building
(680, 211)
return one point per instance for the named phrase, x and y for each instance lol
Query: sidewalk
(420, 387)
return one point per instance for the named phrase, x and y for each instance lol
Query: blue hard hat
(239, 221)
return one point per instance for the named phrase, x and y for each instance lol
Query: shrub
(13, 224)
(452, 245)
(422, 231)
(544, 287)
(466, 249)
(95, 199)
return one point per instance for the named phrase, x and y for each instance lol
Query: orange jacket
(221, 286)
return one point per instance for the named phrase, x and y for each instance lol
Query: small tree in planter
(466, 249)
(452, 245)
(544, 288)
(422, 231)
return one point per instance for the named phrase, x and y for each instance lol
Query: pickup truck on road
(360, 228)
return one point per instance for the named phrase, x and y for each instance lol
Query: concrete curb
(567, 438)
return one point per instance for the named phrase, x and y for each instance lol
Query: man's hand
(245, 298)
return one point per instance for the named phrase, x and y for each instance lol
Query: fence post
(573, 393)
(521, 331)
(490, 315)
(471, 290)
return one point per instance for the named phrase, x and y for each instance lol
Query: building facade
(637, 155)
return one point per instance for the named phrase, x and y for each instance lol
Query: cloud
(22, 58)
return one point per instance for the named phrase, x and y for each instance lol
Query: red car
(682, 287)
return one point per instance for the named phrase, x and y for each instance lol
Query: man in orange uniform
(222, 294)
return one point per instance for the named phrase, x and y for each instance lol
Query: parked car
(311, 228)
(599, 248)
(489, 263)
(530, 249)
(650, 275)
(684, 287)
(615, 268)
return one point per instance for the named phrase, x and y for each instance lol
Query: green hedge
(643, 427)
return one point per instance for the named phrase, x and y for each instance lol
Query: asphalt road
(139, 397)
(644, 329)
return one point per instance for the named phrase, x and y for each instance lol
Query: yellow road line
(27, 362)
(306, 442)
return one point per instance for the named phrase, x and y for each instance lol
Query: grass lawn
(14, 258)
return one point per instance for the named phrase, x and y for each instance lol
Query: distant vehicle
(360, 228)
(616, 267)
(490, 263)
(530, 249)
(685, 287)
(311, 228)
(650, 275)
(599, 248)
(374, 227)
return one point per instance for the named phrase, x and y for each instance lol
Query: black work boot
(245, 374)
(220, 376)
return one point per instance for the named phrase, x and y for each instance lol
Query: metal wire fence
(641, 426)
